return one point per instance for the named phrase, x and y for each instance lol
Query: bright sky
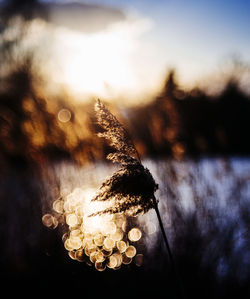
(195, 37)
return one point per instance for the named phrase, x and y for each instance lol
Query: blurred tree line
(192, 123)
(176, 123)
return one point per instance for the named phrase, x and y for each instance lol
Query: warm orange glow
(64, 115)
(134, 234)
(103, 240)
(122, 246)
(130, 251)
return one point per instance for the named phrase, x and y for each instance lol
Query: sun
(95, 64)
(114, 63)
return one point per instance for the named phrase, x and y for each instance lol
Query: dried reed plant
(132, 187)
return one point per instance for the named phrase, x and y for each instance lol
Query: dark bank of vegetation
(179, 123)
(176, 124)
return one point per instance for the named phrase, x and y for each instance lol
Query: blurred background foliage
(177, 123)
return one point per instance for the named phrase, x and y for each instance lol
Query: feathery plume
(115, 133)
(132, 187)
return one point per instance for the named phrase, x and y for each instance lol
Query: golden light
(72, 254)
(64, 115)
(67, 245)
(108, 243)
(122, 246)
(130, 251)
(75, 233)
(126, 260)
(118, 258)
(112, 262)
(58, 206)
(89, 251)
(109, 228)
(92, 257)
(71, 220)
(117, 236)
(107, 252)
(79, 255)
(99, 257)
(75, 242)
(134, 234)
(101, 240)
(49, 221)
(100, 266)
(111, 63)
(94, 63)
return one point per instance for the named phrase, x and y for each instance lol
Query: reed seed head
(132, 187)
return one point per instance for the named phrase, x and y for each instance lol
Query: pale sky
(125, 47)
(194, 36)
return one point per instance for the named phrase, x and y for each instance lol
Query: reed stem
(171, 259)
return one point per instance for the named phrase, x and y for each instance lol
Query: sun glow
(102, 64)
(112, 63)
(96, 63)
(102, 240)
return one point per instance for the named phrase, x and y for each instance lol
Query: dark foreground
(210, 241)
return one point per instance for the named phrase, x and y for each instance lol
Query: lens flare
(64, 115)
(100, 266)
(122, 246)
(49, 221)
(99, 240)
(139, 260)
(75, 242)
(58, 206)
(99, 257)
(106, 252)
(118, 258)
(130, 251)
(112, 262)
(126, 260)
(109, 243)
(92, 257)
(79, 255)
(134, 234)
(72, 254)
(71, 220)
(117, 236)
